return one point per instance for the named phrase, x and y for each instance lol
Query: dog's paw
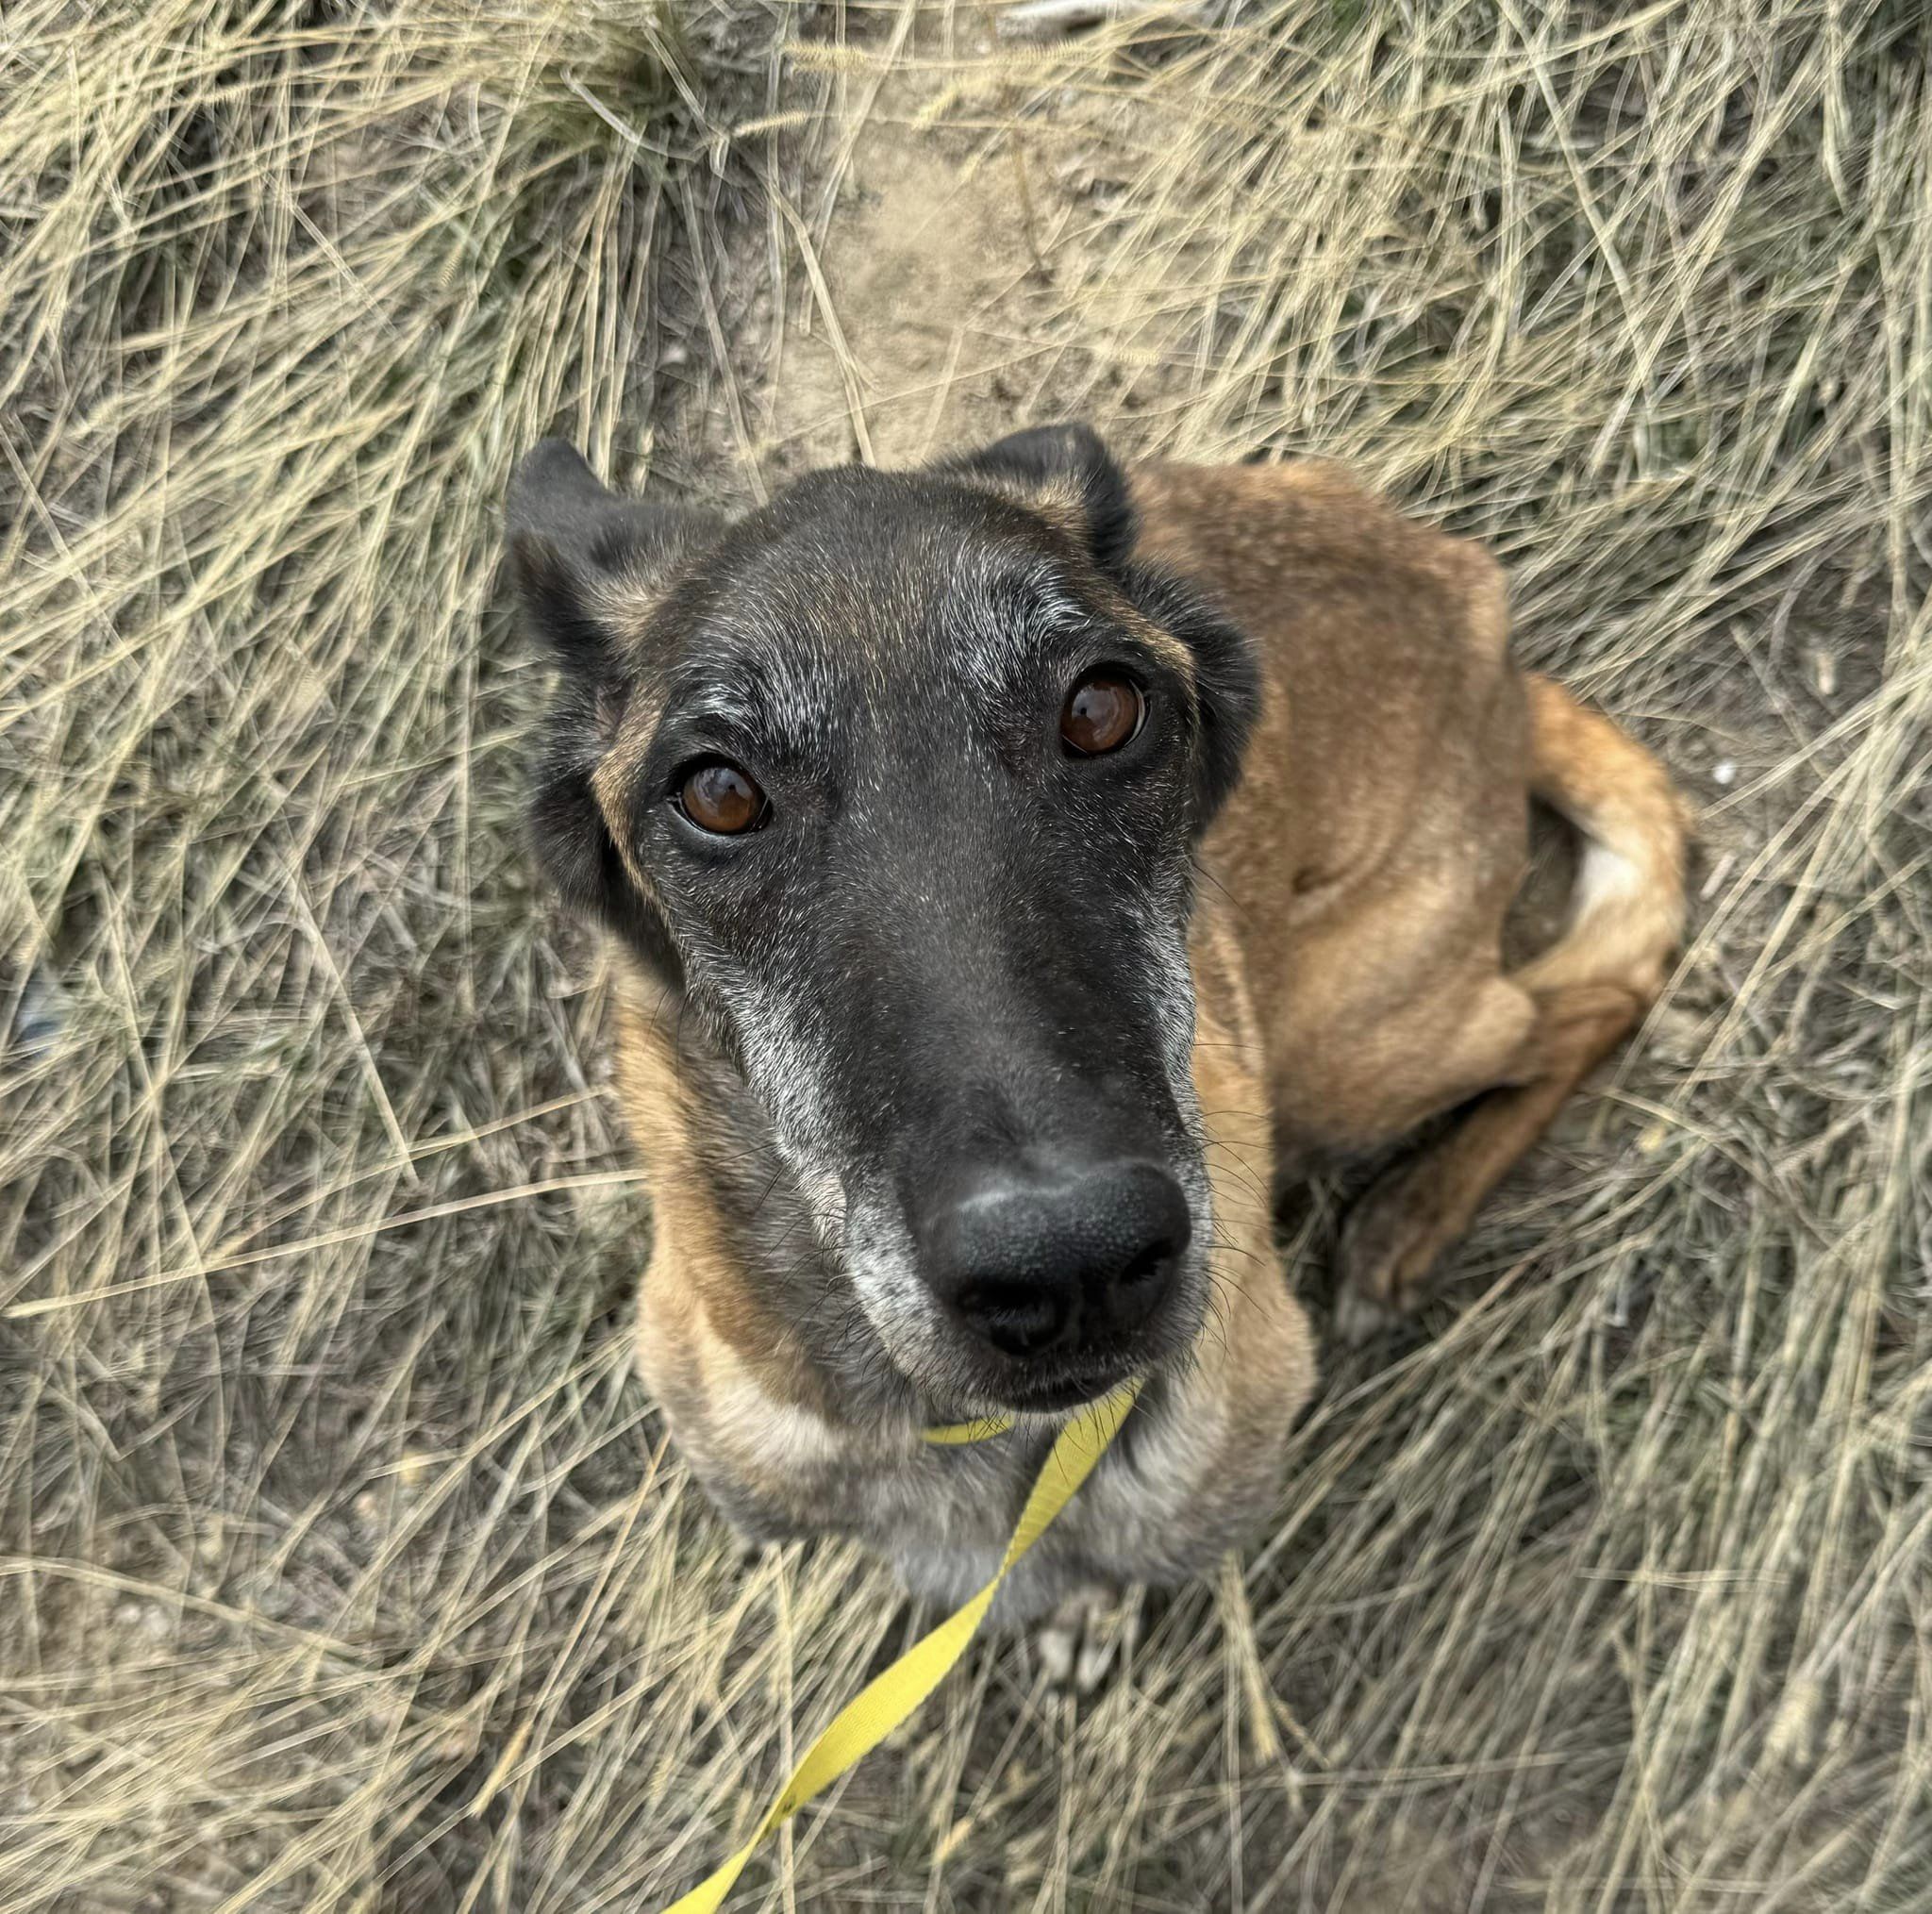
(1078, 1644)
(1386, 1260)
(1360, 1318)
(1052, 19)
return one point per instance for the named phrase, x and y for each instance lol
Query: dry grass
(343, 1564)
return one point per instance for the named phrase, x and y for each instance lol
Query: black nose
(1034, 1262)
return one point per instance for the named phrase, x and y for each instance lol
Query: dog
(1011, 862)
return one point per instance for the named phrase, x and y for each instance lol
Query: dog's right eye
(718, 797)
(1102, 712)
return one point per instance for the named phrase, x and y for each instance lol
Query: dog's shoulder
(1390, 707)
(1306, 531)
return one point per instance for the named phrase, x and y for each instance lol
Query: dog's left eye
(1102, 712)
(718, 797)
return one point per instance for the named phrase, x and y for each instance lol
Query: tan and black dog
(1013, 862)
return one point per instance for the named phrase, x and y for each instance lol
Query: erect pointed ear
(585, 563)
(576, 547)
(1066, 474)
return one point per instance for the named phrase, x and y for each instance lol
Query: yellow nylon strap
(886, 1701)
(950, 1435)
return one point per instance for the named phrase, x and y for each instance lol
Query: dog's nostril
(1016, 1320)
(1151, 1263)
(1135, 1289)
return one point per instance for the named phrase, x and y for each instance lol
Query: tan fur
(1256, 1355)
(1349, 982)
(1379, 834)
(701, 1325)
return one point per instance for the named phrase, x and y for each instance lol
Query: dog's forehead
(861, 588)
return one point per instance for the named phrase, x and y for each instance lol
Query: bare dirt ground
(342, 1562)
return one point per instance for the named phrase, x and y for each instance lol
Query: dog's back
(1380, 836)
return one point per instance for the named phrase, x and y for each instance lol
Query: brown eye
(1102, 712)
(720, 797)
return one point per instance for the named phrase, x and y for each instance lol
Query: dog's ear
(577, 549)
(586, 562)
(1066, 474)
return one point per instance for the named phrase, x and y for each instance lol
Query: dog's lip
(1058, 1391)
(1054, 1394)
(1057, 1397)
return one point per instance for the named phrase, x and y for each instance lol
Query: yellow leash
(950, 1434)
(884, 1701)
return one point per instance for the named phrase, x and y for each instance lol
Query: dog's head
(896, 782)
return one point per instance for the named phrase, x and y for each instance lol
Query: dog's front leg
(1078, 1644)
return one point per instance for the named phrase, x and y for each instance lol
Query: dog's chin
(1044, 1396)
(979, 1383)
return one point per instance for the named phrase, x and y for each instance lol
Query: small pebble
(42, 1018)
(1725, 771)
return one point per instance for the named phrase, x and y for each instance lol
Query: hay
(344, 1565)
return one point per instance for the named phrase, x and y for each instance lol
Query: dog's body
(1339, 922)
